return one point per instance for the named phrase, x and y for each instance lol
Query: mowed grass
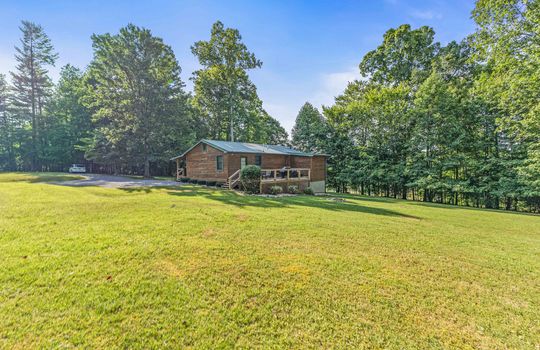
(190, 267)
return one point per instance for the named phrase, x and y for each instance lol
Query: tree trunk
(33, 106)
(146, 168)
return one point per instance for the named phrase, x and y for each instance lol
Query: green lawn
(201, 268)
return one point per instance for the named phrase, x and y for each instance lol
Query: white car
(77, 168)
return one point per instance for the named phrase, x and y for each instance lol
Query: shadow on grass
(40, 177)
(140, 177)
(142, 189)
(435, 205)
(239, 200)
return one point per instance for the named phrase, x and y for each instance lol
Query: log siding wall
(201, 165)
(318, 168)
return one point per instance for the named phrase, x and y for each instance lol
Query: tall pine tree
(310, 131)
(31, 83)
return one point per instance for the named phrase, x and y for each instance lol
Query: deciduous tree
(69, 123)
(403, 53)
(7, 135)
(137, 98)
(224, 95)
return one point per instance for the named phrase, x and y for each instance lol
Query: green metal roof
(244, 147)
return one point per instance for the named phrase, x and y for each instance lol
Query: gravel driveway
(111, 181)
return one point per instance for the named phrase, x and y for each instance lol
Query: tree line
(128, 111)
(456, 124)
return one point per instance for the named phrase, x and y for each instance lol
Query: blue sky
(309, 49)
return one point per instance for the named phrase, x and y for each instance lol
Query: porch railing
(275, 175)
(290, 174)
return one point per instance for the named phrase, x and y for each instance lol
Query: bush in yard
(185, 179)
(250, 178)
(292, 189)
(308, 191)
(201, 182)
(276, 190)
(193, 181)
(210, 183)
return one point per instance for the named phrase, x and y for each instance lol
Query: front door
(243, 162)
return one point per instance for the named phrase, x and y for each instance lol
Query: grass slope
(194, 267)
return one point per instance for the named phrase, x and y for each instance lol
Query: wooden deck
(268, 176)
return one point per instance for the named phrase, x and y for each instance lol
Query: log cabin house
(221, 161)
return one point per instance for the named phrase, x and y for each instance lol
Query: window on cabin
(219, 163)
(258, 160)
(204, 147)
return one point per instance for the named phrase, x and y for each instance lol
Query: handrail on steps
(233, 181)
(179, 173)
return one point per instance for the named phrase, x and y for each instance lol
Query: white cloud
(324, 89)
(332, 85)
(284, 111)
(427, 14)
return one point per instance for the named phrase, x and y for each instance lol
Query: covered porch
(280, 176)
(180, 167)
